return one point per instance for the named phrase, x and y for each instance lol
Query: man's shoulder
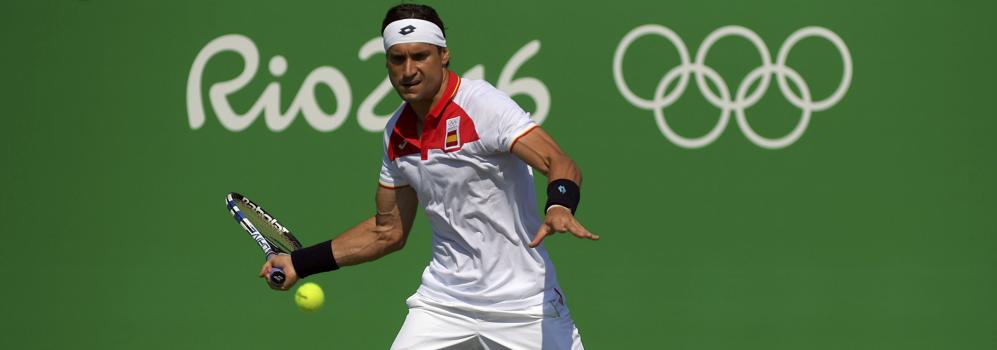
(481, 96)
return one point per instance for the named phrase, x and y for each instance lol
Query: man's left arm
(539, 150)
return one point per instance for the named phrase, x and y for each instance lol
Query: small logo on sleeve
(452, 140)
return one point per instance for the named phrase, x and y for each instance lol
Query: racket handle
(277, 276)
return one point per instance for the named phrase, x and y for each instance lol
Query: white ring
(618, 65)
(846, 60)
(763, 51)
(713, 134)
(801, 126)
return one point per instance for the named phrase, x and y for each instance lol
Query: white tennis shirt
(478, 196)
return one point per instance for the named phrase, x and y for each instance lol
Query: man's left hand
(559, 219)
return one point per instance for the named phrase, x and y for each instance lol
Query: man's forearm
(562, 167)
(367, 241)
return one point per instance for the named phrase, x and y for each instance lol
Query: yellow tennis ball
(309, 297)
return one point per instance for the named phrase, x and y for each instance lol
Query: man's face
(416, 70)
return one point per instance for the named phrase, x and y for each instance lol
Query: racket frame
(269, 248)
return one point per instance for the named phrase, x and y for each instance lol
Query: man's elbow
(397, 244)
(395, 241)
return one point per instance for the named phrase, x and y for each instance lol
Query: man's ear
(444, 56)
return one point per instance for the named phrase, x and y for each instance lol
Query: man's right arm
(380, 235)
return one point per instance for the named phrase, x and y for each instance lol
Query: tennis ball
(309, 297)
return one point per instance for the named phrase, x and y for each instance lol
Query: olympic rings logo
(742, 99)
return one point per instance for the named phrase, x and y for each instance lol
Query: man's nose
(410, 69)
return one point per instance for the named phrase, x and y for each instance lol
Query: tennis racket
(271, 236)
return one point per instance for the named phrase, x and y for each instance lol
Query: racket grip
(277, 276)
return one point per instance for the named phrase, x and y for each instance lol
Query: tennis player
(462, 150)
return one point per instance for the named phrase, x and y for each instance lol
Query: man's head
(415, 46)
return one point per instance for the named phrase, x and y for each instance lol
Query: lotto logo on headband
(739, 100)
(407, 30)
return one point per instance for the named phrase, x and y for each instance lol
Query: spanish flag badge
(453, 133)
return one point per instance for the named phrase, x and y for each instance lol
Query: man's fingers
(580, 231)
(263, 271)
(541, 233)
(562, 224)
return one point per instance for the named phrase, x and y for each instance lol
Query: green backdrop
(874, 230)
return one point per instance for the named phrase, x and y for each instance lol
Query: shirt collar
(453, 83)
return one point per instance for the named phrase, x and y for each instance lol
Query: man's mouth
(411, 84)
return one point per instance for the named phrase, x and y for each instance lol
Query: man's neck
(421, 108)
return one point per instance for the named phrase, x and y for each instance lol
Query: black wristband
(311, 260)
(563, 192)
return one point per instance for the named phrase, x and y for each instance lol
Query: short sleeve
(507, 122)
(391, 176)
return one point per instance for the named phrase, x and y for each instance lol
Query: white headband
(411, 30)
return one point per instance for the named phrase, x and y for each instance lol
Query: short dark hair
(417, 11)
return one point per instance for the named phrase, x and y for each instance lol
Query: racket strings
(269, 228)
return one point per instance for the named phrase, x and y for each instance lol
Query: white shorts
(434, 325)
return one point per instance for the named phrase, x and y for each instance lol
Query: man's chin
(410, 96)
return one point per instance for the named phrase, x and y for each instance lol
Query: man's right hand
(283, 261)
